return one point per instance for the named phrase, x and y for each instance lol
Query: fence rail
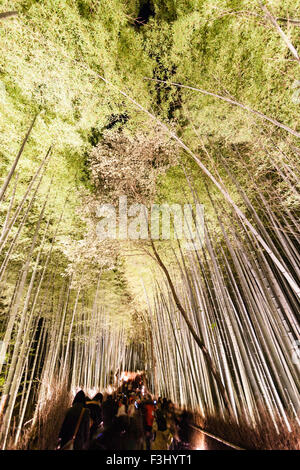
(212, 436)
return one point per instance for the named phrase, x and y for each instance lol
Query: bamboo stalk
(230, 101)
(287, 275)
(12, 170)
(203, 348)
(272, 19)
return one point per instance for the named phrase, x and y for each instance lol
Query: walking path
(130, 419)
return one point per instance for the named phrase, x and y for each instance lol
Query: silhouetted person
(108, 412)
(164, 404)
(185, 431)
(74, 414)
(96, 412)
(112, 438)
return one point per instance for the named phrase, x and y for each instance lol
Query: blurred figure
(122, 414)
(185, 431)
(96, 412)
(159, 403)
(112, 438)
(108, 412)
(75, 430)
(164, 404)
(163, 435)
(135, 432)
(172, 423)
(148, 413)
(132, 407)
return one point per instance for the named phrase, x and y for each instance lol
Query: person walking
(121, 415)
(148, 413)
(108, 412)
(163, 435)
(75, 430)
(96, 412)
(132, 407)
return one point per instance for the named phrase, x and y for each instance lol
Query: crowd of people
(128, 419)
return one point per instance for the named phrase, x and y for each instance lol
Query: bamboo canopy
(165, 116)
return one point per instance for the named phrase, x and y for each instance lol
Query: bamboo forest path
(133, 419)
(149, 225)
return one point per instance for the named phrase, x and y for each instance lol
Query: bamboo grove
(51, 339)
(249, 292)
(239, 304)
(214, 327)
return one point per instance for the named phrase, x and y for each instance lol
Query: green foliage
(51, 55)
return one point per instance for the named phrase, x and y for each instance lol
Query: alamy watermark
(160, 221)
